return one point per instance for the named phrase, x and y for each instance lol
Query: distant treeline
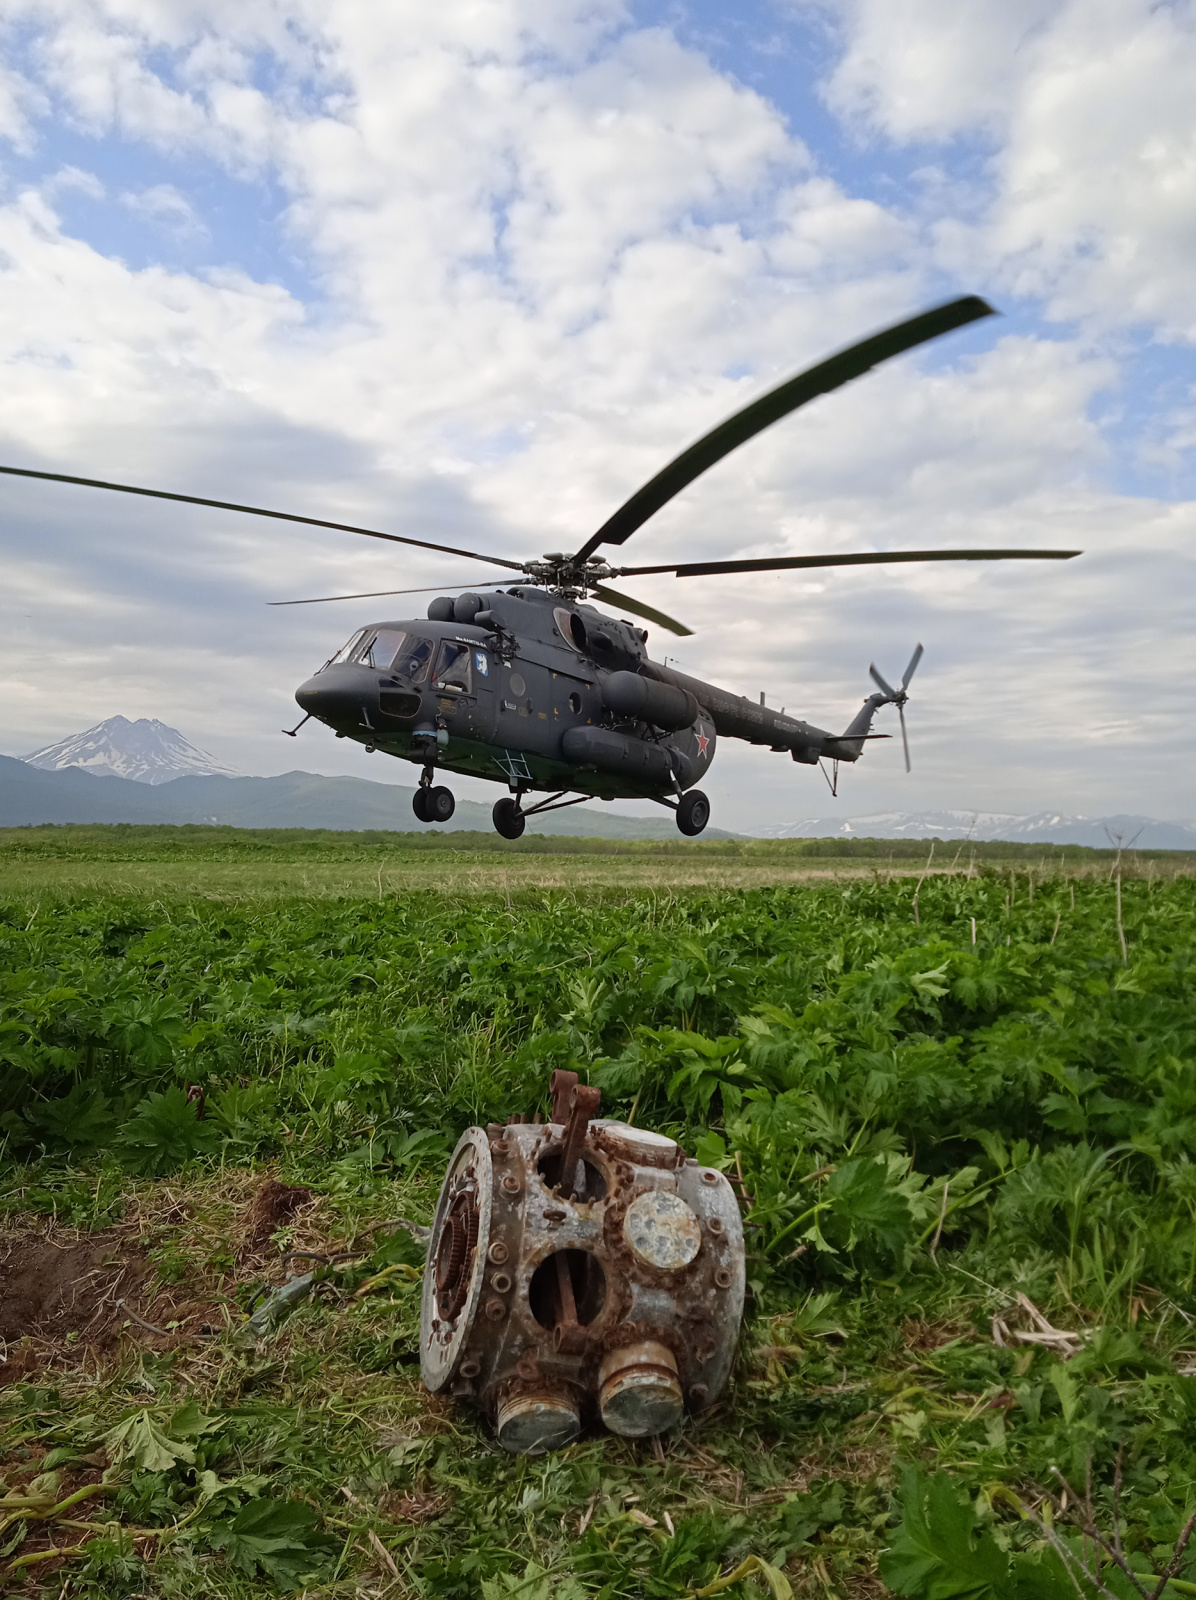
(137, 842)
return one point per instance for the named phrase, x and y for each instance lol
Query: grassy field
(74, 862)
(962, 1107)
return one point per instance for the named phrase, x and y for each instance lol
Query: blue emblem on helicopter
(483, 662)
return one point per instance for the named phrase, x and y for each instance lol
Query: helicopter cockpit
(388, 650)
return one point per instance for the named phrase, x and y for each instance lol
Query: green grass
(78, 862)
(936, 1106)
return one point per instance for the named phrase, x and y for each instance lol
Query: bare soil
(275, 1205)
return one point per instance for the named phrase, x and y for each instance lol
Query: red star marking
(703, 741)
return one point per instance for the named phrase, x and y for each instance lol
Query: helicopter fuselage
(540, 692)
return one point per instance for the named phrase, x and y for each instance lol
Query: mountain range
(30, 796)
(1039, 827)
(147, 772)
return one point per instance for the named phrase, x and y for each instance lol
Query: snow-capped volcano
(146, 751)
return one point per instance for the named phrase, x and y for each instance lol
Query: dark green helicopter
(531, 687)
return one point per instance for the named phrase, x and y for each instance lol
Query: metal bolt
(498, 1253)
(723, 1278)
(716, 1226)
(709, 1177)
(511, 1183)
(501, 1282)
(471, 1367)
(499, 1147)
(495, 1310)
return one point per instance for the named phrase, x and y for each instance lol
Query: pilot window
(384, 647)
(453, 666)
(412, 660)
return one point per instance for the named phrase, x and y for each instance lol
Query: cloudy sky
(474, 271)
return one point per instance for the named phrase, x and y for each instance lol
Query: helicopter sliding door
(463, 678)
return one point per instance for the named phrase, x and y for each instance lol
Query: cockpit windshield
(388, 649)
(412, 660)
(382, 649)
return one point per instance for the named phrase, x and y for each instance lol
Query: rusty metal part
(639, 1390)
(580, 1270)
(533, 1422)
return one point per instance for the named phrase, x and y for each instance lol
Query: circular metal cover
(662, 1230)
(456, 1264)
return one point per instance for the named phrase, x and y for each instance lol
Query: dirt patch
(274, 1206)
(66, 1298)
(54, 1288)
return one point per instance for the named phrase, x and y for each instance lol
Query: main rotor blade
(381, 594)
(904, 735)
(708, 569)
(778, 403)
(913, 667)
(639, 609)
(257, 511)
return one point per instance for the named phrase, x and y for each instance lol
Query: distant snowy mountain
(146, 751)
(1041, 827)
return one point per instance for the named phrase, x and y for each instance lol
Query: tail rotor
(898, 697)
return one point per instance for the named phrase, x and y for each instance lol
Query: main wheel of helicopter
(693, 813)
(439, 804)
(509, 820)
(419, 804)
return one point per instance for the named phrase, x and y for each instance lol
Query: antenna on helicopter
(898, 697)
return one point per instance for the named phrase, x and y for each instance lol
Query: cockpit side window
(386, 644)
(453, 666)
(412, 660)
(347, 650)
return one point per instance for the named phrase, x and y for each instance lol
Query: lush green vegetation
(97, 842)
(963, 1111)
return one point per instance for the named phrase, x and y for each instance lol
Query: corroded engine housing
(580, 1269)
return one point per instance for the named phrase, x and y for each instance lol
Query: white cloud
(167, 208)
(1088, 108)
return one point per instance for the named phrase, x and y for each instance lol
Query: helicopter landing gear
(432, 803)
(509, 819)
(693, 813)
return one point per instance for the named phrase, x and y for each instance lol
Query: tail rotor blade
(912, 668)
(881, 684)
(904, 735)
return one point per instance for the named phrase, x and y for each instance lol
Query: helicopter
(530, 686)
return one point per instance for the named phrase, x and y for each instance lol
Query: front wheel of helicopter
(509, 820)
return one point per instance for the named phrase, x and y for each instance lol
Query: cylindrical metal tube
(665, 705)
(639, 1390)
(532, 1422)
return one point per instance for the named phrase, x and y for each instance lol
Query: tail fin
(849, 745)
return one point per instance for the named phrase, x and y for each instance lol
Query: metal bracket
(554, 803)
(832, 781)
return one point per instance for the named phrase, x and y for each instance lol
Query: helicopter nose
(331, 697)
